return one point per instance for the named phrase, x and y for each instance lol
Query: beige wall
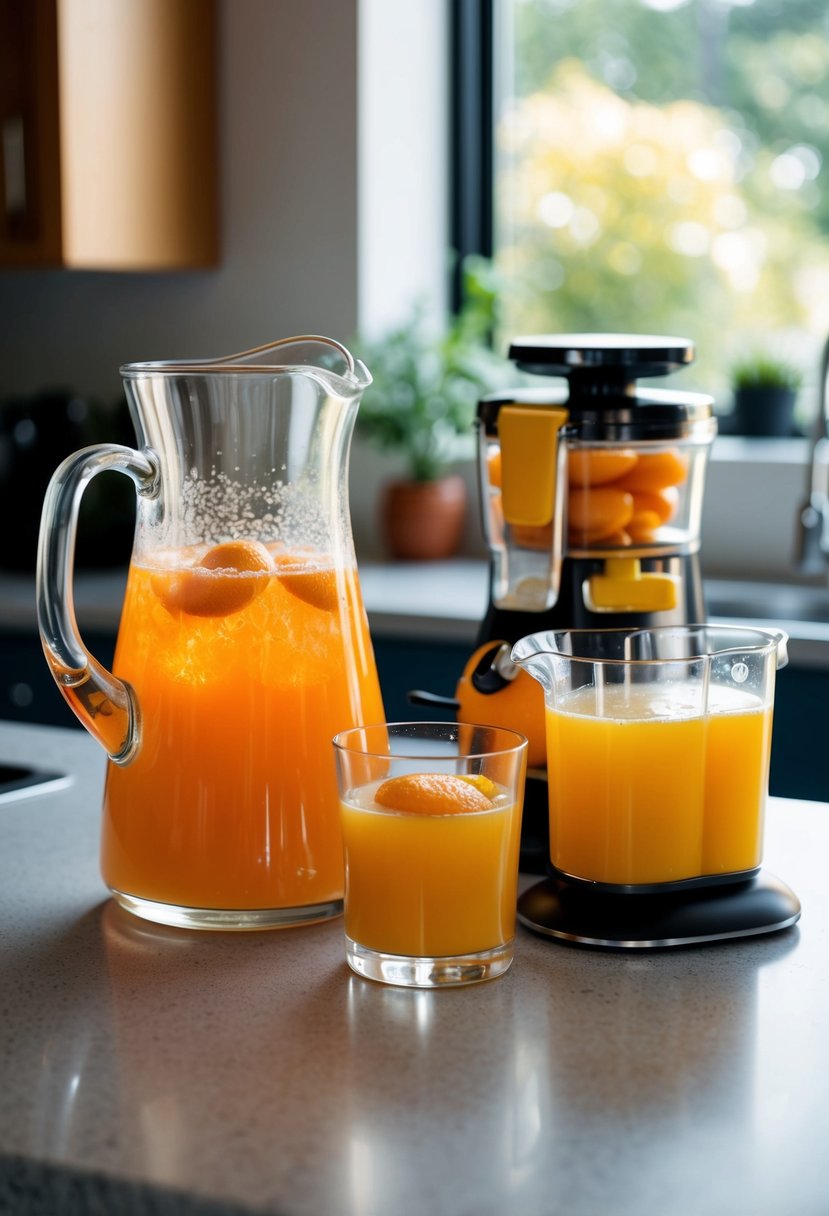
(333, 167)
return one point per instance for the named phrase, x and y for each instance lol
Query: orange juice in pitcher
(243, 645)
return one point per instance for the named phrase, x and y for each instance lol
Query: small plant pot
(765, 411)
(423, 520)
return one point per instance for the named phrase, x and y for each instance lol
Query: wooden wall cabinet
(108, 121)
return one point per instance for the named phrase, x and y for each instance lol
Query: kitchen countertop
(147, 1069)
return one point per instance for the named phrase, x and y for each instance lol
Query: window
(657, 167)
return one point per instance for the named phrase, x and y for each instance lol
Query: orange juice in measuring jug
(658, 748)
(653, 789)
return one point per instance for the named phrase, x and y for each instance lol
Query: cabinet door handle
(14, 165)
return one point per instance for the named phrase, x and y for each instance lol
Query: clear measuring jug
(243, 646)
(658, 749)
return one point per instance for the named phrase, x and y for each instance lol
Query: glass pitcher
(658, 750)
(243, 646)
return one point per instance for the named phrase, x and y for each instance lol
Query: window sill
(754, 490)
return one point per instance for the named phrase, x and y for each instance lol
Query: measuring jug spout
(539, 655)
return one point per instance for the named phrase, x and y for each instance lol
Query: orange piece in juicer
(594, 514)
(619, 540)
(656, 471)
(651, 509)
(597, 466)
(662, 503)
(642, 527)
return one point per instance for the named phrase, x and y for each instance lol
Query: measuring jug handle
(105, 705)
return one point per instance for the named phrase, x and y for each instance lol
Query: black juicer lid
(602, 397)
(601, 361)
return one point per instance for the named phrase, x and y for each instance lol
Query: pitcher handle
(105, 705)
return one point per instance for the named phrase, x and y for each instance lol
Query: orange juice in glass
(431, 816)
(654, 791)
(658, 749)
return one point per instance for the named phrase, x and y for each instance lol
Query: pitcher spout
(322, 358)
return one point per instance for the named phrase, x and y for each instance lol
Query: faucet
(812, 543)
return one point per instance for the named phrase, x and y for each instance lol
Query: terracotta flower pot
(423, 520)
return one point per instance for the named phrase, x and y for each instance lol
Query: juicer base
(760, 904)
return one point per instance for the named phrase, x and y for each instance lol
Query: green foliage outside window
(659, 170)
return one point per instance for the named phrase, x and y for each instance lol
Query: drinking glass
(431, 818)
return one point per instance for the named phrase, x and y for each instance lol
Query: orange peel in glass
(431, 794)
(488, 788)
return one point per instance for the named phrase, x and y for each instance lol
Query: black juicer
(592, 498)
(591, 502)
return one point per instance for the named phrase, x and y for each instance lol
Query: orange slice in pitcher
(225, 580)
(431, 794)
(316, 586)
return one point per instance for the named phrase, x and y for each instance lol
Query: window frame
(472, 138)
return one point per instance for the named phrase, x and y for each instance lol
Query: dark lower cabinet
(27, 691)
(800, 743)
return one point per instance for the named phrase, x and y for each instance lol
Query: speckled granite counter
(151, 1070)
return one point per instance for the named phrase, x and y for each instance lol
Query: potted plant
(765, 393)
(425, 391)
